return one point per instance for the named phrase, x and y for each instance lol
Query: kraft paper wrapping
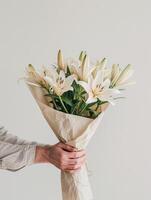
(76, 131)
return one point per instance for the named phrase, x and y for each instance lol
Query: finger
(74, 167)
(77, 154)
(75, 161)
(67, 147)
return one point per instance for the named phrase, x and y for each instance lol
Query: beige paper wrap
(76, 131)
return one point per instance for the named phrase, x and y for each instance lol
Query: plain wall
(32, 31)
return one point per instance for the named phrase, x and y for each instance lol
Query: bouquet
(73, 95)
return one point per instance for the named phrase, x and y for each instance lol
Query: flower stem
(75, 108)
(63, 104)
(83, 109)
(54, 103)
(53, 100)
(79, 103)
(97, 106)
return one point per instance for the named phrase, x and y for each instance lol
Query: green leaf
(93, 113)
(67, 100)
(92, 104)
(103, 102)
(68, 72)
(74, 108)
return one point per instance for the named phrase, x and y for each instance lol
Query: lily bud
(30, 68)
(85, 66)
(60, 60)
(82, 55)
(103, 63)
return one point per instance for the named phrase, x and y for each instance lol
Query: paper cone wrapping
(76, 131)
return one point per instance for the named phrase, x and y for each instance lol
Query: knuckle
(76, 162)
(78, 165)
(75, 154)
(67, 147)
(72, 167)
(75, 166)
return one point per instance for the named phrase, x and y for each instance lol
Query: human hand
(63, 156)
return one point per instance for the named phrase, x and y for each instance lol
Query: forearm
(14, 157)
(16, 153)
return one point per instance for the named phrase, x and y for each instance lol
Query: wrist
(41, 154)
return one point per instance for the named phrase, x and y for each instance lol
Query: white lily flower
(35, 76)
(98, 88)
(75, 63)
(47, 71)
(119, 77)
(71, 64)
(115, 72)
(59, 83)
(84, 70)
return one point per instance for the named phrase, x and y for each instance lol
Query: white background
(32, 31)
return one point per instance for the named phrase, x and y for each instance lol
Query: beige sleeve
(15, 153)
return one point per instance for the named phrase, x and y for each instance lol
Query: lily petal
(85, 86)
(91, 100)
(70, 79)
(125, 74)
